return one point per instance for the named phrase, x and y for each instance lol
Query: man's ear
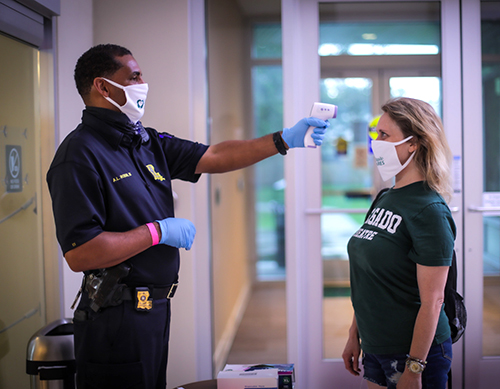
(101, 86)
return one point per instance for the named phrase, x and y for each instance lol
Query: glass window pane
(415, 38)
(346, 183)
(266, 41)
(491, 102)
(490, 28)
(345, 167)
(269, 180)
(424, 88)
(410, 30)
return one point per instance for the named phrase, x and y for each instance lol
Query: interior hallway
(261, 336)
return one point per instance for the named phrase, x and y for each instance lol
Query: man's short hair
(98, 61)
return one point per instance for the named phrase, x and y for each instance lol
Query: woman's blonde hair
(433, 155)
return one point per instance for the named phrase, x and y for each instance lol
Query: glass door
(482, 193)
(385, 53)
(367, 54)
(490, 30)
(22, 303)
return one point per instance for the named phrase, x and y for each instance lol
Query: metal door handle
(22, 208)
(321, 211)
(474, 208)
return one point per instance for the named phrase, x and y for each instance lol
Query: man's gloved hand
(177, 232)
(294, 136)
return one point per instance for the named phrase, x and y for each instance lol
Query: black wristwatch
(279, 143)
(415, 365)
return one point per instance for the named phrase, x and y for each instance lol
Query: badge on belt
(143, 299)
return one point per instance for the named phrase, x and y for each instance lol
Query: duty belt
(129, 293)
(104, 290)
(143, 297)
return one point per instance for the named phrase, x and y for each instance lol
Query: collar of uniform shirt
(120, 121)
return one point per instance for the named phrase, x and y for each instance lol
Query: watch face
(415, 367)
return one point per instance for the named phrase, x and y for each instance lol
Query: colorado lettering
(365, 234)
(384, 219)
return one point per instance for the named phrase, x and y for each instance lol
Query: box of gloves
(266, 376)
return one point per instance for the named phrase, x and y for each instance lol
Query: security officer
(110, 183)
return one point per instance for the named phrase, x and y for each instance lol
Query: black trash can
(50, 356)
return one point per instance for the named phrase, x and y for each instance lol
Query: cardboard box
(240, 379)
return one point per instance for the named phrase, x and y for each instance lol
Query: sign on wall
(14, 173)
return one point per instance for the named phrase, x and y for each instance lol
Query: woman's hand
(352, 350)
(350, 356)
(410, 380)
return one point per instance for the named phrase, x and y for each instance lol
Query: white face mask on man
(136, 100)
(386, 157)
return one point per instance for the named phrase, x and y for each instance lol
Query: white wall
(232, 201)
(166, 38)
(73, 36)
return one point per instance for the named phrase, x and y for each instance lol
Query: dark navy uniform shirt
(105, 178)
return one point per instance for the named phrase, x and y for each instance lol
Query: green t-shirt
(406, 226)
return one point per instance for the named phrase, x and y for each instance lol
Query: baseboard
(223, 348)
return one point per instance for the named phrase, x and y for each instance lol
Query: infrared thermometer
(321, 111)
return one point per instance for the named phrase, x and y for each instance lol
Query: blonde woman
(399, 258)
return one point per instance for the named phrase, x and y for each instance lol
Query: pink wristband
(154, 233)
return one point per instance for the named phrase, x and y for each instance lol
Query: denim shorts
(386, 369)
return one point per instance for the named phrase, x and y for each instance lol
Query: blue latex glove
(294, 136)
(177, 232)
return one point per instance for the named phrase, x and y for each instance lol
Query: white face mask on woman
(386, 157)
(136, 100)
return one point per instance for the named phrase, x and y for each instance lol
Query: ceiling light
(367, 36)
